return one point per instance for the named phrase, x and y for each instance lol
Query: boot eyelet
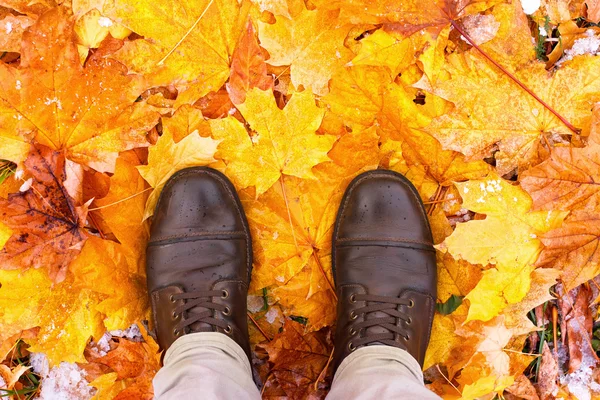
(227, 311)
(351, 347)
(174, 315)
(176, 332)
(228, 330)
(406, 337)
(353, 315)
(352, 331)
(411, 303)
(224, 294)
(409, 321)
(172, 299)
(352, 299)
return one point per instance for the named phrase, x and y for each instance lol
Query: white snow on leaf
(63, 382)
(255, 303)
(26, 185)
(132, 333)
(530, 6)
(105, 22)
(9, 27)
(587, 45)
(481, 28)
(271, 315)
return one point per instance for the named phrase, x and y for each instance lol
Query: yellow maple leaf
(492, 110)
(506, 238)
(284, 142)
(312, 44)
(104, 268)
(89, 112)
(188, 45)
(167, 157)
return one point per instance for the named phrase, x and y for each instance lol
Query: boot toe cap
(383, 205)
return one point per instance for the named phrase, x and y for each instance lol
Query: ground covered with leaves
(488, 106)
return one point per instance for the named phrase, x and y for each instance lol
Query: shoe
(384, 267)
(199, 259)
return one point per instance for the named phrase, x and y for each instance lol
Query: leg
(205, 365)
(199, 261)
(385, 273)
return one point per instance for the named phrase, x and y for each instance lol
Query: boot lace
(203, 299)
(386, 304)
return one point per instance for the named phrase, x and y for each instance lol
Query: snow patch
(271, 315)
(26, 185)
(18, 85)
(530, 6)
(481, 28)
(63, 382)
(105, 22)
(255, 303)
(587, 45)
(279, 278)
(8, 27)
(132, 333)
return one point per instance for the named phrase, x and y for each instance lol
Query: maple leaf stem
(324, 274)
(514, 78)
(447, 380)
(93, 221)
(120, 201)
(186, 34)
(287, 208)
(323, 371)
(258, 327)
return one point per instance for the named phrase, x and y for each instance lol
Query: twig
(258, 327)
(324, 370)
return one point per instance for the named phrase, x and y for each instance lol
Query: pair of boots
(200, 262)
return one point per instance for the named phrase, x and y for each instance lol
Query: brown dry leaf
(297, 359)
(47, 224)
(523, 389)
(548, 375)
(577, 316)
(248, 67)
(90, 112)
(132, 365)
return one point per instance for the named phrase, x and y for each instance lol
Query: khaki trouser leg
(211, 365)
(379, 372)
(205, 365)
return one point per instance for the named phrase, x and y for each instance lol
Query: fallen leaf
(285, 141)
(176, 37)
(312, 44)
(47, 225)
(297, 359)
(248, 67)
(65, 106)
(506, 238)
(168, 157)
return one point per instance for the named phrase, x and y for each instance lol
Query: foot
(384, 267)
(199, 258)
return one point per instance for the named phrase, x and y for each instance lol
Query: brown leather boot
(384, 267)
(199, 258)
